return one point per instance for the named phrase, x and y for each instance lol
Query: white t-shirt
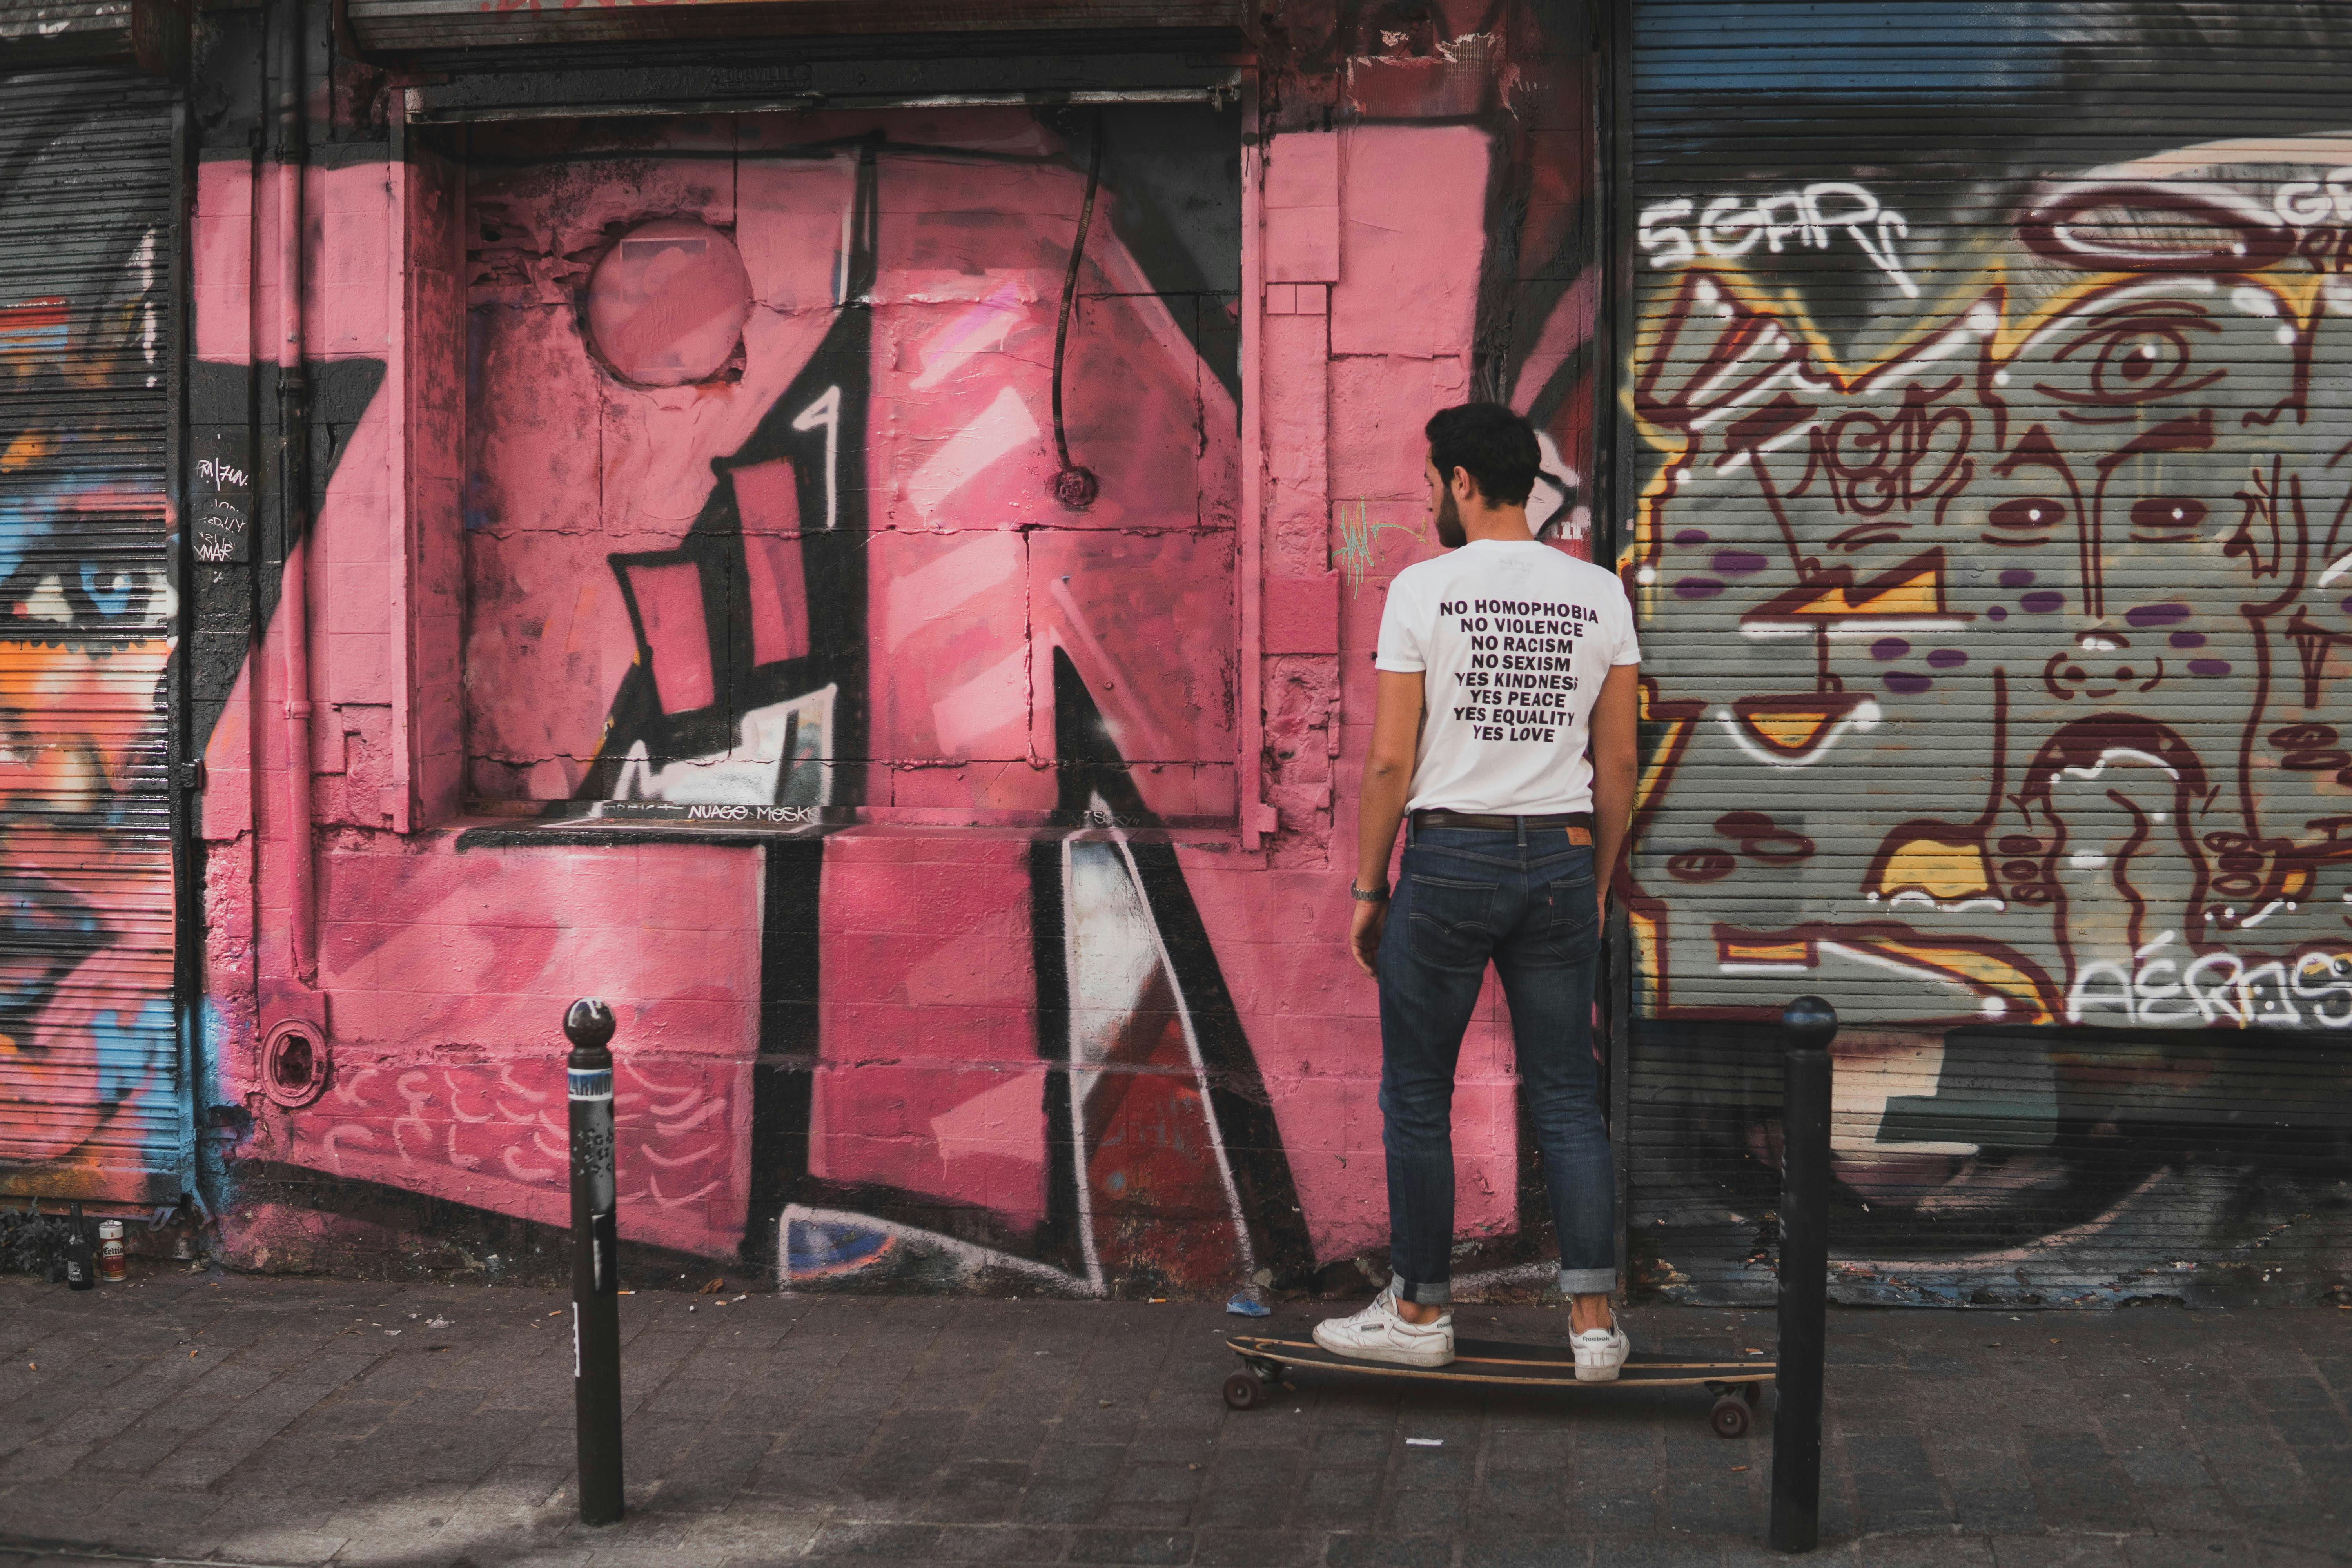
(1513, 640)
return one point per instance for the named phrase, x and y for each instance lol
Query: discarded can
(81, 1258)
(113, 1266)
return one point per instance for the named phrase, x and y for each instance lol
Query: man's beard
(1450, 531)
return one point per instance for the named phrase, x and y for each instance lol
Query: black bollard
(595, 1279)
(1807, 1026)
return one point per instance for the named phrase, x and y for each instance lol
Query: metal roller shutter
(90, 1080)
(1989, 420)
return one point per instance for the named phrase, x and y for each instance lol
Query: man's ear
(1463, 486)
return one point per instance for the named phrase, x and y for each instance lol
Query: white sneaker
(1379, 1333)
(1600, 1352)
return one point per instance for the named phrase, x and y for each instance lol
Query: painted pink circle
(666, 304)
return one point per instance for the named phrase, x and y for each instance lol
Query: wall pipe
(1257, 817)
(290, 152)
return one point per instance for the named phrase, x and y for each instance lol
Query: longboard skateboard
(1736, 1384)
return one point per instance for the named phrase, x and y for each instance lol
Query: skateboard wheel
(1729, 1417)
(1753, 1393)
(1244, 1391)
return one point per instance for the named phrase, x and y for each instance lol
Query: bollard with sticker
(595, 1278)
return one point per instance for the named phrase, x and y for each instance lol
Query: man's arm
(1614, 762)
(1388, 781)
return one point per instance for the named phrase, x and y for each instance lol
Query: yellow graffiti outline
(2299, 299)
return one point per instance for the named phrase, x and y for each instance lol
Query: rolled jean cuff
(1587, 1281)
(1440, 1294)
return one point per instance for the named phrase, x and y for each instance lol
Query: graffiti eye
(1701, 865)
(2029, 512)
(2166, 516)
(2138, 355)
(2132, 366)
(105, 593)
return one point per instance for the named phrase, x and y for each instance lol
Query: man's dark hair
(1494, 444)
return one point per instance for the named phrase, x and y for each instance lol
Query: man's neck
(1507, 524)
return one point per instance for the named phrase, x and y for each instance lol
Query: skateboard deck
(1506, 1363)
(1496, 1361)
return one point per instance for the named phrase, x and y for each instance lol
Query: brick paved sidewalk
(279, 1422)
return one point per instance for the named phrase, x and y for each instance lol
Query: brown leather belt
(1576, 822)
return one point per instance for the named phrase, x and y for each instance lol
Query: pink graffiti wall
(807, 580)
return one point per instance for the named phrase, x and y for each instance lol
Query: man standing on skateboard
(1501, 663)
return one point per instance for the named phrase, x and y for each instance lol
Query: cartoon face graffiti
(89, 1053)
(86, 1032)
(1990, 531)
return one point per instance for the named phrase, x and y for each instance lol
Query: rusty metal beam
(398, 26)
(747, 86)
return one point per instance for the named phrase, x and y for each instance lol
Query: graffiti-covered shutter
(1988, 431)
(91, 1098)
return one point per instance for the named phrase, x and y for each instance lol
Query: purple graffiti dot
(2157, 614)
(1947, 659)
(1738, 562)
(2017, 577)
(1904, 684)
(1998, 613)
(1698, 588)
(1690, 536)
(2345, 606)
(2189, 640)
(2040, 603)
(2209, 667)
(1889, 648)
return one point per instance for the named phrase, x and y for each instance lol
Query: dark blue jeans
(1527, 902)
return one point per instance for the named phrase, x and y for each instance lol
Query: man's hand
(1388, 779)
(1364, 934)
(1614, 762)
